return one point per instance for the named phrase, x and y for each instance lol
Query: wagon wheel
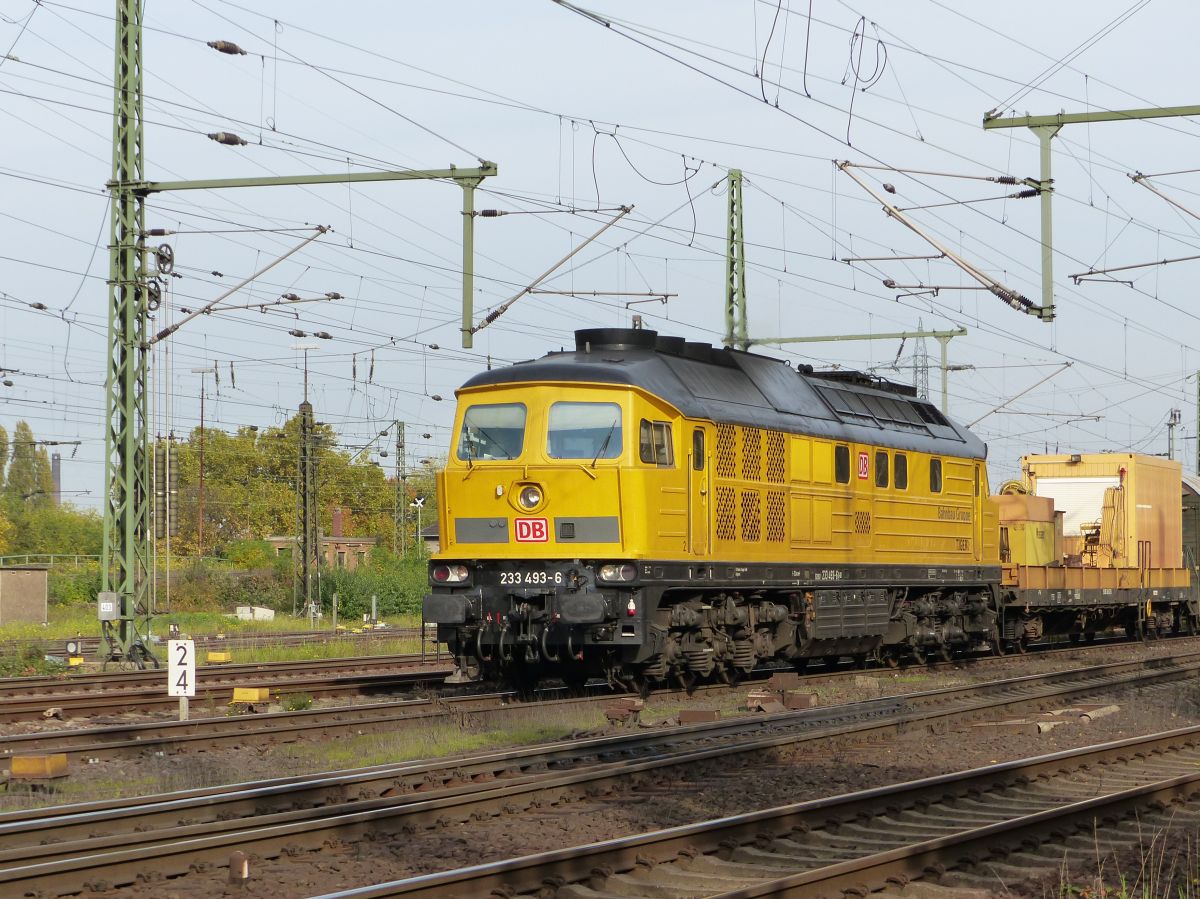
(918, 653)
(997, 644)
(1021, 645)
(945, 652)
(887, 657)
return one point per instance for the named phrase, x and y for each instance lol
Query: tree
(6, 532)
(20, 483)
(3, 456)
(43, 473)
(56, 529)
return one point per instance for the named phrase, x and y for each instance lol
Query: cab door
(698, 492)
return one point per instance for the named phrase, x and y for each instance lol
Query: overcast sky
(651, 111)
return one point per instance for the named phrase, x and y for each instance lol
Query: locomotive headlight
(530, 497)
(449, 574)
(617, 572)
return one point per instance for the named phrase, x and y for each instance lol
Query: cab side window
(698, 450)
(935, 475)
(841, 464)
(654, 443)
(881, 469)
(901, 471)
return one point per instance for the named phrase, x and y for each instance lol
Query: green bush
(398, 584)
(74, 584)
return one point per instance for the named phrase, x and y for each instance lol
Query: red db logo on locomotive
(532, 530)
(864, 468)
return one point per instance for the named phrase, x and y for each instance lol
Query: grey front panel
(592, 529)
(481, 530)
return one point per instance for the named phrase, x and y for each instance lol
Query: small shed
(23, 593)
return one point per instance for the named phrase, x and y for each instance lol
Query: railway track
(54, 849)
(89, 646)
(981, 829)
(24, 699)
(167, 737)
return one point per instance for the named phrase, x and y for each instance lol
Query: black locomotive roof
(725, 385)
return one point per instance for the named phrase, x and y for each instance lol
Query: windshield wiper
(604, 445)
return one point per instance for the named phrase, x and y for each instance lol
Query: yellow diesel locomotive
(652, 510)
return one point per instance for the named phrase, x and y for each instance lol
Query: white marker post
(181, 673)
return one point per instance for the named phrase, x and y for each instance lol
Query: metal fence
(50, 559)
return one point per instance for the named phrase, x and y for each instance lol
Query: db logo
(532, 530)
(864, 467)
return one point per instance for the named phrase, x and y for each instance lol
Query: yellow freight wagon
(1115, 555)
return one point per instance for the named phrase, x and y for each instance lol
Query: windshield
(492, 432)
(584, 431)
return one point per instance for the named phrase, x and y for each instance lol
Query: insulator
(297, 333)
(228, 138)
(227, 47)
(39, 306)
(1025, 194)
(426, 436)
(291, 297)
(333, 295)
(160, 490)
(889, 283)
(490, 213)
(437, 397)
(217, 274)
(1004, 179)
(159, 232)
(323, 335)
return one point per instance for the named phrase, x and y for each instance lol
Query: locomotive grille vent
(726, 451)
(751, 516)
(726, 522)
(751, 454)
(776, 457)
(862, 522)
(776, 519)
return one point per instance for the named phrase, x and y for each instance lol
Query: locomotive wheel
(996, 644)
(576, 682)
(1136, 630)
(1021, 645)
(687, 680)
(860, 660)
(945, 652)
(887, 657)
(919, 654)
(524, 680)
(1090, 636)
(1074, 638)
